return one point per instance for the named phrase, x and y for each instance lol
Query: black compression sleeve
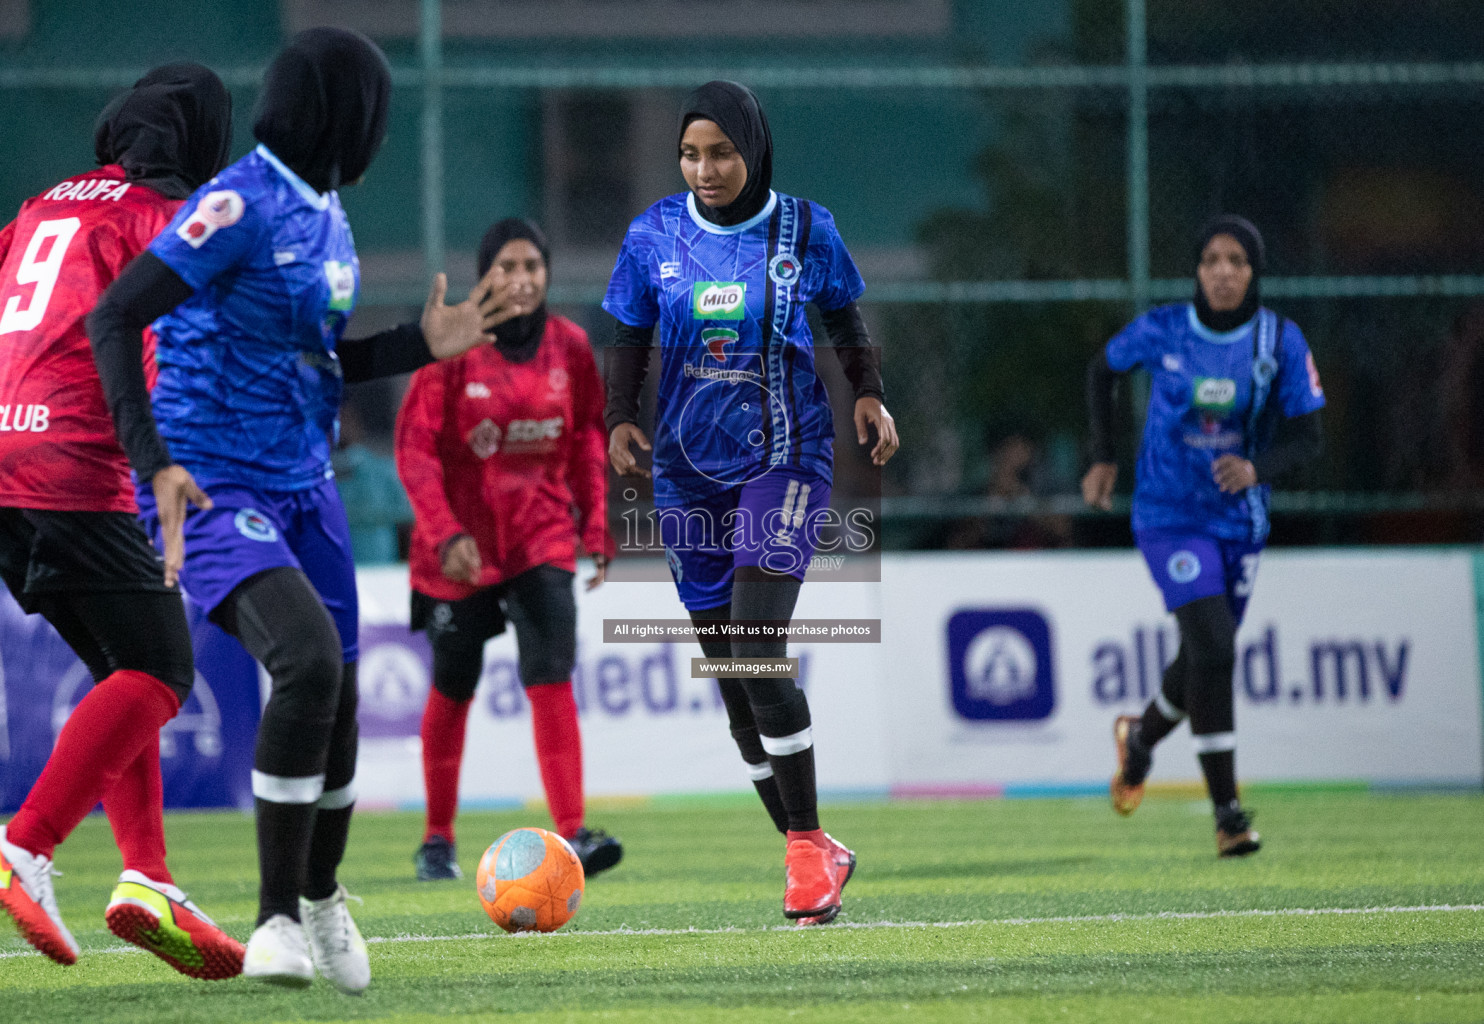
(1298, 442)
(399, 350)
(145, 291)
(1102, 386)
(627, 363)
(862, 363)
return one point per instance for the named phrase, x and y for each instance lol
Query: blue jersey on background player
(738, 394)
(1198, 540)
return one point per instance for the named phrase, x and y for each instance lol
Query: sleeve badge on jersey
(1315, 388)
(215, 210)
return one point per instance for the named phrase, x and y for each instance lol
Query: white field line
(1163, 915)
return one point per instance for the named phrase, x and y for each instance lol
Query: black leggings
(542, 607)
(278, 616)
(143, 632)
(772, 707)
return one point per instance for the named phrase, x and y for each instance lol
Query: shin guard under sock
(102, 737)
(558, 752)
(135, 809)
(444, 723)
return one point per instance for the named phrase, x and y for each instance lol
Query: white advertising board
(996, 672)
(1356, 665)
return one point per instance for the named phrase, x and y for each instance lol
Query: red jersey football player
(70, 546)
(495, 449)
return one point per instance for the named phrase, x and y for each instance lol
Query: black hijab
(323, 107)
(519, 337)
(1250, 239)
(736, 111)
(171, 132)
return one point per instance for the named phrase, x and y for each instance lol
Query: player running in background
(743, 452)
(70, 546)
(249, 289)
(495, 449)
(1234, 402)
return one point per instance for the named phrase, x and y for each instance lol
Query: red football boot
(158, 917)
(26, 895)
(815, 876)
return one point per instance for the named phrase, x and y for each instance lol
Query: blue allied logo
(1183, 566)
(253, 525)
(1000, 665)
(784, 269)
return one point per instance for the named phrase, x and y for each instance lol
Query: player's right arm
(420, 467)
(1125, 351)
(632, 300)
(7, 233)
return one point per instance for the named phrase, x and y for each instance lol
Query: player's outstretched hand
(453, 330)
(870, 412)
(461, 560)
(1097, 485)
(1233, 474)
(174, 489)
(619, 454)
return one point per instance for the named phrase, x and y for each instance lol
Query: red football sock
(815, 836)
(444, 720)
(558, 752)
(103, 736)
(135, 809)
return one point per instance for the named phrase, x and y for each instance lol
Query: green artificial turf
(1036, 910)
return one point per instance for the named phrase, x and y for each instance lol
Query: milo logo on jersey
(719, 300)
(1215, 394)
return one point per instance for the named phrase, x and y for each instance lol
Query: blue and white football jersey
(738, 392)
(1201, 388)
(249, 384)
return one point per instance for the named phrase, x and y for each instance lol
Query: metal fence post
(1138, 155)
(430, 45)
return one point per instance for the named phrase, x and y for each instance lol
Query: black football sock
(779, 707)
(332, 823)
(1220, 768)
(282, 829)
(282, 623)
(739, 717)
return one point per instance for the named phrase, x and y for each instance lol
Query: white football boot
(26, 895)
(339, 951)
(279, 954)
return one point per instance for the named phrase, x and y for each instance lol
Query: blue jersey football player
(1234, 401)
(743, 440)
(249, 289)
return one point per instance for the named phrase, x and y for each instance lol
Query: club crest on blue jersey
(1183, 566)
(784, 269)
(719, 300)
(253, 525)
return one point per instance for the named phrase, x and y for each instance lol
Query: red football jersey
(57, 444)
(504, 451)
